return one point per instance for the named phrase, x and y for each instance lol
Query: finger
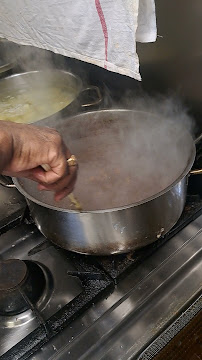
(68, 153)
(32, 174)
(35, 174)
(51, 176)
(62, 183)
(65, 183)
(56, 173)
(62, 194)
(29, 174)
(59, 169)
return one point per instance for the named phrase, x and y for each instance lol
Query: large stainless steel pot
(116, 230)
(81, 98)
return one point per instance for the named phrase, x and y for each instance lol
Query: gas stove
(55, 304)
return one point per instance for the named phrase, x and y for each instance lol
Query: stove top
(60, 305)
(67, 282)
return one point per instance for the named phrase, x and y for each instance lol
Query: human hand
(24, 148)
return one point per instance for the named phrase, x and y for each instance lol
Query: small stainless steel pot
(59, 78)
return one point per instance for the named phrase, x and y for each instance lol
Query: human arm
(24, 148)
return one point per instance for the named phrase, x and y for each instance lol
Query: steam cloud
(125, 158)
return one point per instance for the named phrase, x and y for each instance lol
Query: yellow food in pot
(28, 106)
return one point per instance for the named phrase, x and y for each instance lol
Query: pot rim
(55, 70)
(51, 71)
(124, 207)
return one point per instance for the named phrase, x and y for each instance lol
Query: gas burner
(21, 285)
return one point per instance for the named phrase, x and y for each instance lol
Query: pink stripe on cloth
(104, 26)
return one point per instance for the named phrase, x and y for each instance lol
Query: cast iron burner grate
(21, 284)
(95, 283)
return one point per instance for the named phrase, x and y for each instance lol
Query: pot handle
(6, 181)
(198, 139)
(96, 90)
(196, 172)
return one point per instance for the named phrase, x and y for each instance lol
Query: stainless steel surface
(183, 323)
(110, 231)
(142, 305)
(4, 67)
(11, 202)
(58, 78)
(43, 79)
(6, 181)
(59, 290)
(94, 102)
(120, 326)
(8, 55)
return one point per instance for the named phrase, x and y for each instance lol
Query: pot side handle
(6, 181)
(196, 172)
(93, 89)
